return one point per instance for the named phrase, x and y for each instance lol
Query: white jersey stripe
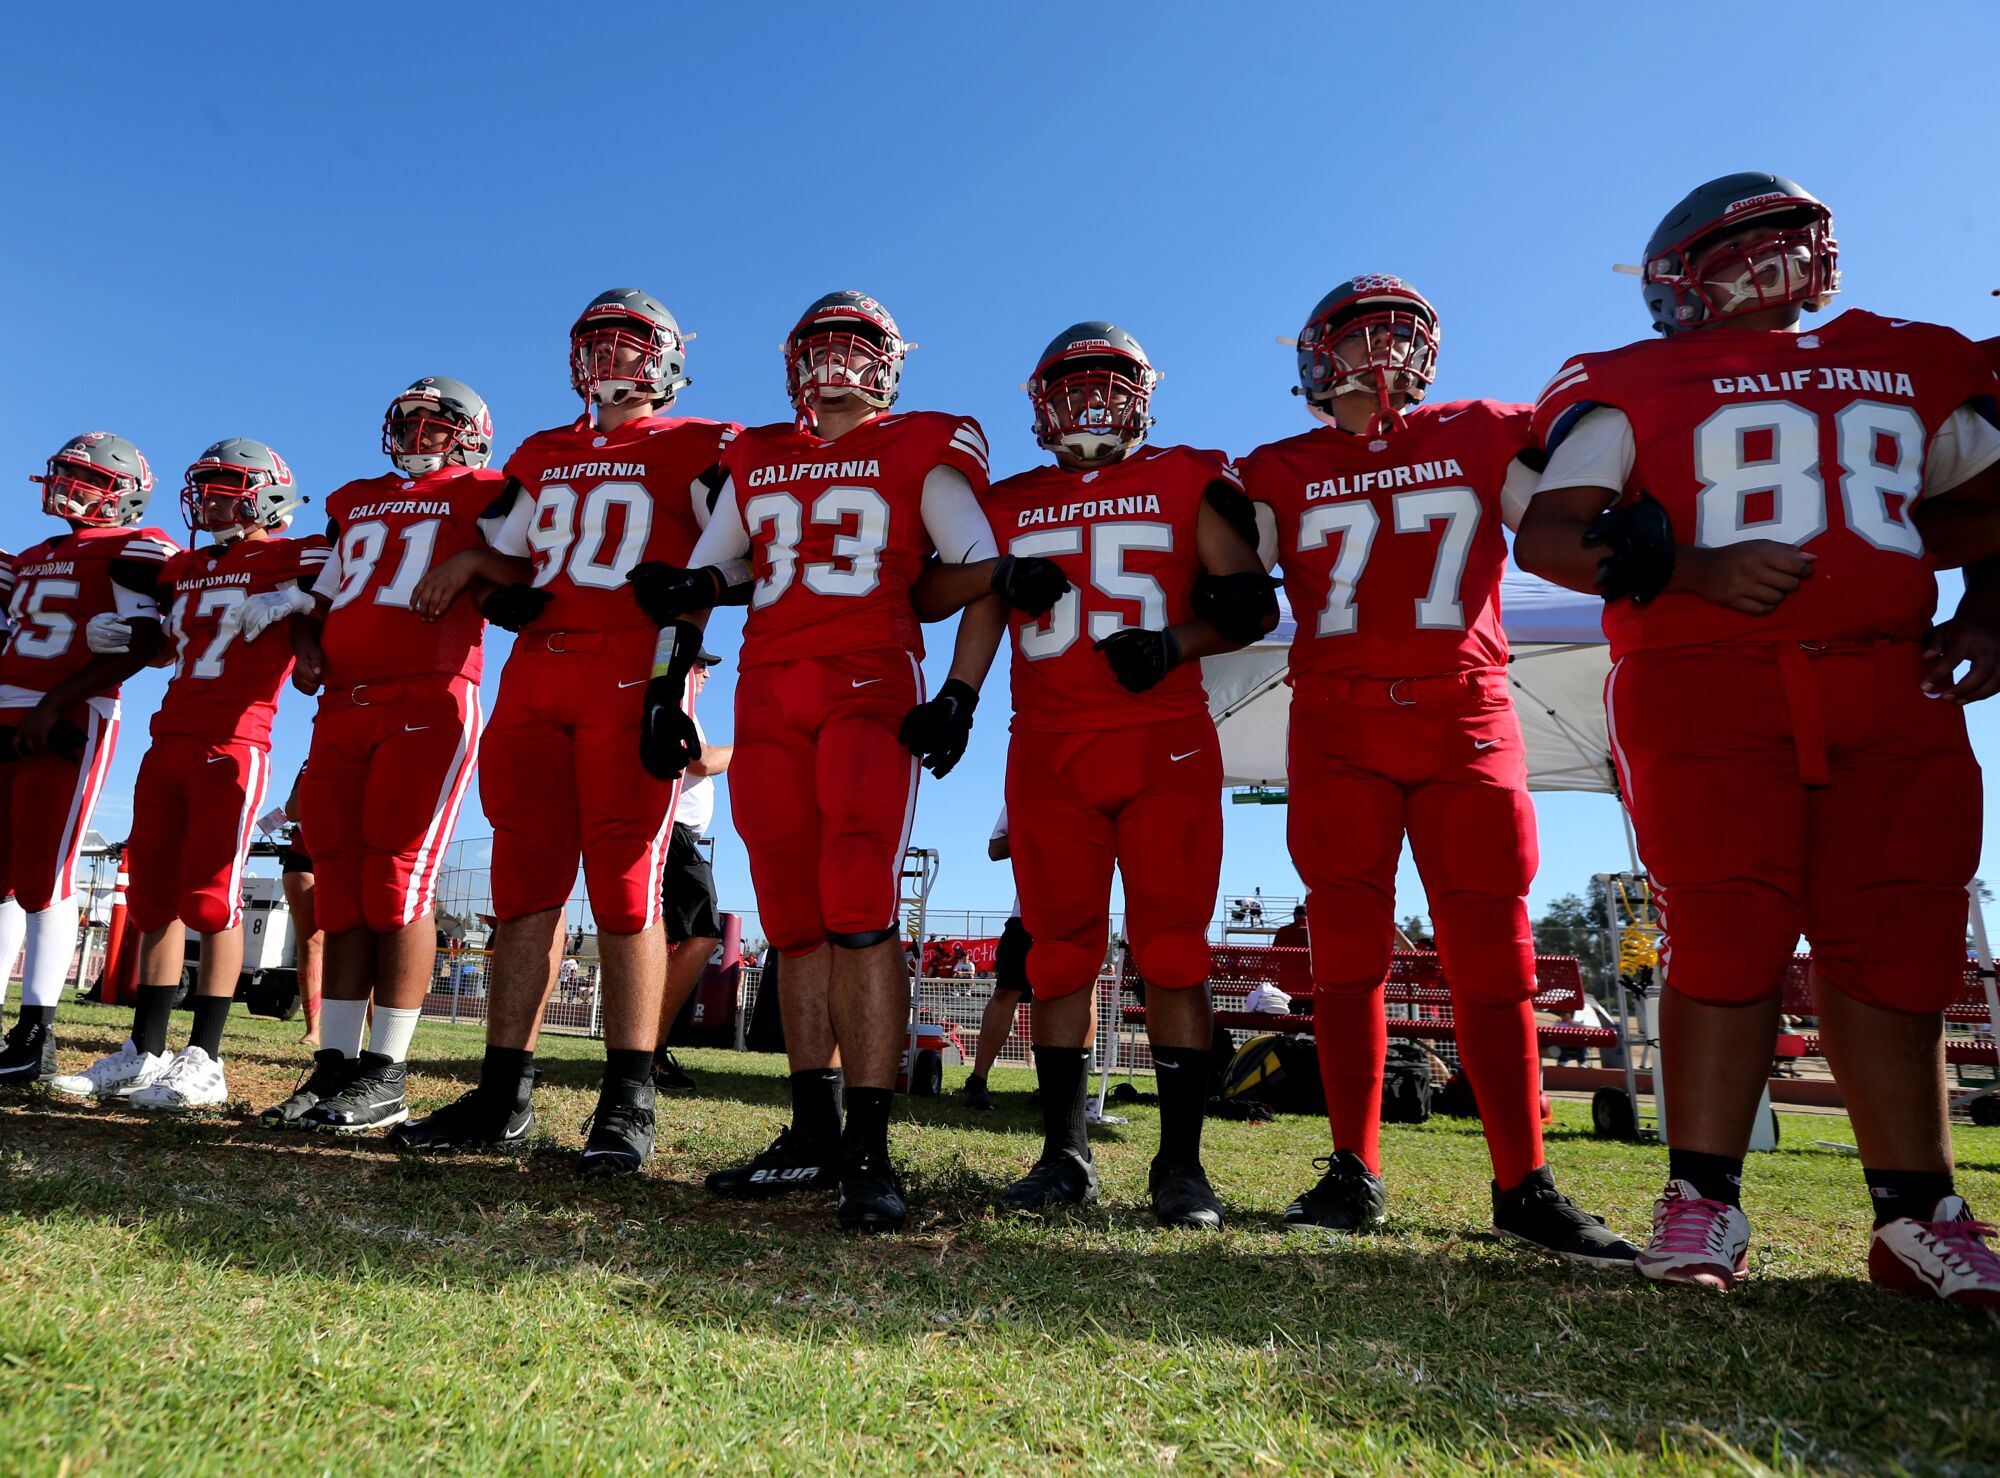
(100, 741)
(421, 891)
(255, 781)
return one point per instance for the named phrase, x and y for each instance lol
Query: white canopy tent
(1559, 665)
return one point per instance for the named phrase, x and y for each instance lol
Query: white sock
(51, 946)
(13, 929)
(393, 1028)
(341, 1024)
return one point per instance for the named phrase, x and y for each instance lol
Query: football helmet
(98, 480)
(1398, 329)
(1736, 245)
(844, 344)
(1090, 390)
(235, 486)
(432, 405)
(625, 323)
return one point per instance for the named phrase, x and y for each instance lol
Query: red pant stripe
(421, 893)
(255, 782)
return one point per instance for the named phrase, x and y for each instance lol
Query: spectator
(1292, 935)
(694, 923)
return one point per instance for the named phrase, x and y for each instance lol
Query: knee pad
(205, 915)
(1010, 958)
(1174, 960)
(1910, 957)
(1488, 951)
(382, 915)
(1057, 968)
(866, 940)
(1349, 964)
(1727, 946)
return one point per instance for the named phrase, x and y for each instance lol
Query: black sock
(626, 1071)
(868, 1119)
(210, 1012)
(37, 1015)
(1063, 1075)
(1913, 1193)
(1182, 1076)
(816, 1104)
(1714, 1177)
(151, 1015)
(507, 1074)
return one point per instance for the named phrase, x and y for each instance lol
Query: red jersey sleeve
(965, 450)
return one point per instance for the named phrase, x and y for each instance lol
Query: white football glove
(109, 632)
(259, 612)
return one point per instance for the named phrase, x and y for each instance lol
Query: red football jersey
(1392, 546)
(388, 533)
(1816, 439)
(599, 503)
(59, 585)
(223, 688)
(1125, 536)
(837, 531)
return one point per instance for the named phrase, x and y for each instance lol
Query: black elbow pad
(1227, 499)
(1242, 606)
(1640, 537)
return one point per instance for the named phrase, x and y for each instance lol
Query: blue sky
(264, 222)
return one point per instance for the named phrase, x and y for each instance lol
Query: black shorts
(687, 889)
(1010, 958)
(291, 859)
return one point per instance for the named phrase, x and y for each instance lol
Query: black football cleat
(871, 1198)
(1182, 1197)
(977, 1096)
(473, 1121)
(27, 1054)
(372, 1099)
(668, 1075)
(330, 1073)
(791, 1163)
(1536, 1213)
(621, 1135)
(1348, 1198)
(1064, 1178)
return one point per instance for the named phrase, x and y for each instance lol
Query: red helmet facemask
(595, 349)
(1398, 355)
(839, 355)
(78, 490)
(1795, 260)
(1092, 403)
(408, 433)
(219, 499)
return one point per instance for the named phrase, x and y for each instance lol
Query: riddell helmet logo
(1738, 207)
(1090, 343)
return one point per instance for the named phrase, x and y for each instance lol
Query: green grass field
(203, 1296)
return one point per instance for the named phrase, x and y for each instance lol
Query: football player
(59, 705)
(1114, 759)
(1762, 504)
(822, 528)
(1389, 518)
(561, 772)
(394, 744)
(201, 786)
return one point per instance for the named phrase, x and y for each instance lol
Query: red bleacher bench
(1968, 1009)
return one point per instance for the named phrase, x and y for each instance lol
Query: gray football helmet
(1090, 390)
(98, 480)
(1703, 266)
(235, 486)
(622, 322)
(844, 344)
(433, 405)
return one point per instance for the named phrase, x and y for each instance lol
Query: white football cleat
(122, 1073)
(1697, 1241)
(194, 1081)
(1945, 1258)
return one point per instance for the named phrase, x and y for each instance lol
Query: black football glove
(510, 607)
(668, 741)
(1140, 659)
(1640, 537)
(938, 731)
(1029, 583)
(667, 592)
(67, 740)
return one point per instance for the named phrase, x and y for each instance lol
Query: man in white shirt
(694, 925)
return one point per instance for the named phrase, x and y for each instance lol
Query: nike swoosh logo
(216, 759)
(1901, 322)
(632, 684)
(1452, 417)
(865, 682)
(415, 728)
(1484, 743)
(1177, 758)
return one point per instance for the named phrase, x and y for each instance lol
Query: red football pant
(194, 813)
(1146, 799)
(1780, 791)
(823, 792)
(45, 807)
(1451, 774)
(381, 794)
(560, 776)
